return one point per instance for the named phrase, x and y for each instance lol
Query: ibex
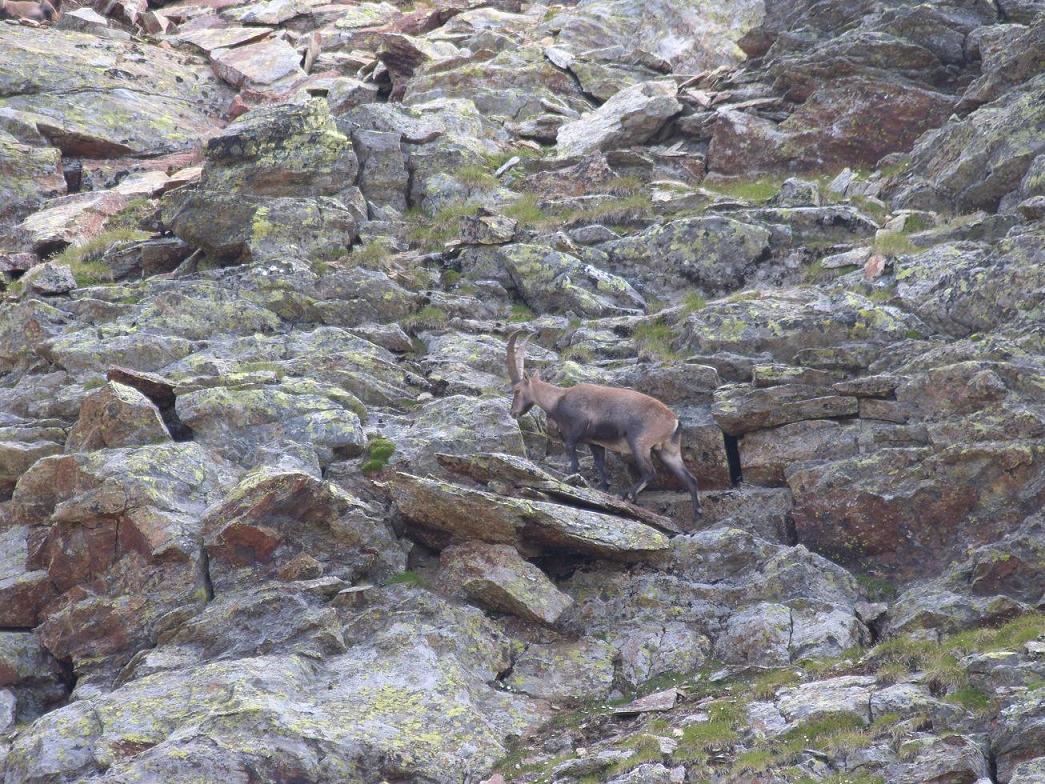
(31, 10)
(621, 420)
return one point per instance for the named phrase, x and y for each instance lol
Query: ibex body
(38, 11)
(621, 420)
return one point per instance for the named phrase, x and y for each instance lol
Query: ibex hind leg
(670, 452)
(647, 471)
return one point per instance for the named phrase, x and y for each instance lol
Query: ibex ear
(535, 375)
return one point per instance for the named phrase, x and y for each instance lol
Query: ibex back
(621, 420)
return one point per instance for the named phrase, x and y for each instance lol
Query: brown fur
(39, 11)
(614, 418)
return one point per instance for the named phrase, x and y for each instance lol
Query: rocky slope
(264, 514)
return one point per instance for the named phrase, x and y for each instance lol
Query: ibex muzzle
(621, 420)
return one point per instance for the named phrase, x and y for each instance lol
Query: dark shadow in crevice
(736, 475)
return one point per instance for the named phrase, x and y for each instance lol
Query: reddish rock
(262, 63)
(288, 524)
(908, 512)
(116, 416)
(832, 129)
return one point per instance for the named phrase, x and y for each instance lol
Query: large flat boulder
(100, 97)
(462, 514)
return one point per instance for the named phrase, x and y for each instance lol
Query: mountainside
(265, 515)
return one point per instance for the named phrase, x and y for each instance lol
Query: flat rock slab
(99, 98)
(467, 514)
(496, 576)
(847, 694)
(222, 37)
(739, 409)
(524, 474)
(262, 63)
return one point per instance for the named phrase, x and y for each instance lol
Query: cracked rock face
(266, 514)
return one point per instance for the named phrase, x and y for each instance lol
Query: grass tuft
(85, 259)
(379, 452)
(654, 338)
(410, 578)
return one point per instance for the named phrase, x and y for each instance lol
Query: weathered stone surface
(50, 279)
(713, 253)
(849, 694)
(277, 183)
(75, 86)
(363, 706)
(472, 514)
(630, 117)
(564, 671)
(243, 422)
(765, 454)
(947, 165)
(908, 511)
(496, 577)
(739, 409)
(29, 175)
(259, 64)
(273, 517)
(962, 288)
(827, 130)
(116, 416)
(550, 280)
(687, 35)
(790, 323)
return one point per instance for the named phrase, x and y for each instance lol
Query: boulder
(74, 86)
(461, 514)
(682, 35)
(971, 163)
(119, 544)
(278, 182)
(564, 671)
(908, 512)
(827, 131)
(630, 117)
(242, 423)
(1018, 734)
(29, 176)
(257, 65)
(848, 694)
(496, 577)
(961, 288)
(713, 253)
(116, 416)
(410, 698)
(274, 517)
(793, 324)
(739, 409)
(29, 673)
(552, 281)
(765, 454)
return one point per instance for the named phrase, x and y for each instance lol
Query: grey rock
(50, 278)
(630, 117)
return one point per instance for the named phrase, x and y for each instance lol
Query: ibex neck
(546, 395)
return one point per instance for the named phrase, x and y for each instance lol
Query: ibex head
(523, 397)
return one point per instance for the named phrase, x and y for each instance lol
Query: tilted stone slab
(524, 474)
(496, 576)
(467, 514)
